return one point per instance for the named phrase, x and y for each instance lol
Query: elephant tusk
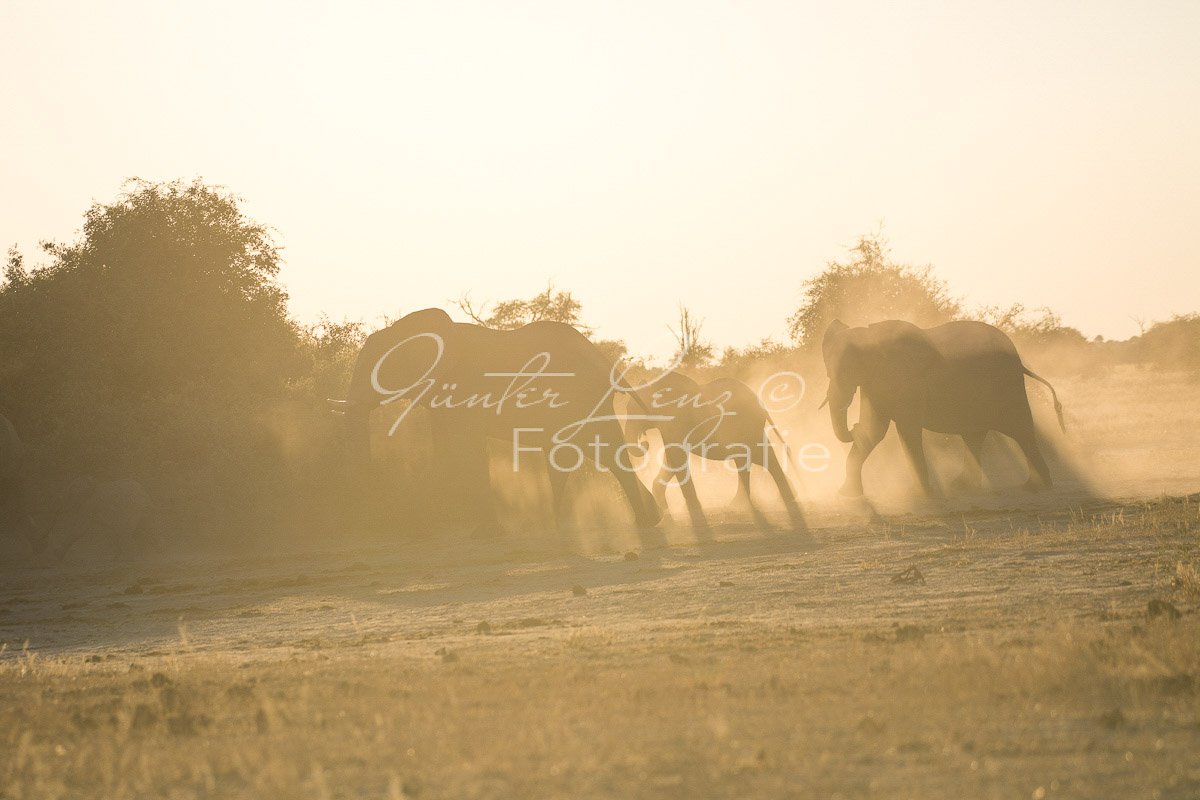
(824, 403)
(337, 411)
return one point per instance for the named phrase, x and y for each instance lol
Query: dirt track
(763, 664)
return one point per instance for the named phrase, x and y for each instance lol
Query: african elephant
(540, 387)
(116, 510)
(962, 378)
(721, 420)
(14, 461)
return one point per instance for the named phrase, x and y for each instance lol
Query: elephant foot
(1034, 486)
(851, 490)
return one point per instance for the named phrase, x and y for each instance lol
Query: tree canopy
(868, 287)
(166, 302)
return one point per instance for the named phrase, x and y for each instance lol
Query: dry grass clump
(1091, 708)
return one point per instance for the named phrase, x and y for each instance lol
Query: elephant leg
(971, 478)
(558, 491)
(775, 469)
(910, 436)
(742, 498)
(661, 481)
(868, 433)
(1039, 473)
(677, 462)
(464, 448)
(747, 500)
(645, 509)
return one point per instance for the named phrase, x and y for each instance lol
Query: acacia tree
(868, 287)
(509, 315)
(548, 306)
(692, 349)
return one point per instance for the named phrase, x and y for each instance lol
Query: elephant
(118, 510)
(720, 420)
(963, 377)
(543, 386)
(14, 514)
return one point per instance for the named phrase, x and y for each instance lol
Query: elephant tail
(1058, 409)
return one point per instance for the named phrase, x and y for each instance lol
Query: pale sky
(640, 154)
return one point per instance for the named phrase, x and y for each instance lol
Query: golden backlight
(638, 154)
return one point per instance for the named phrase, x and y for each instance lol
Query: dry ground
(1033, 658)
(1025, 665)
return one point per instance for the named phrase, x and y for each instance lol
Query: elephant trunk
(838, 410)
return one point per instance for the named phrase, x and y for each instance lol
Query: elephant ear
(832, 335)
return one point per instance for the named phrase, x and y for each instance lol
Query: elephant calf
(116, 510)
(722, 420)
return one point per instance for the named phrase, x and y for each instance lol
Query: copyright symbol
(781, 392)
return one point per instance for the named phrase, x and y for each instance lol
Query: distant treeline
(158, 345)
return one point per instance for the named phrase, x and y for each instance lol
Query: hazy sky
(639, 154)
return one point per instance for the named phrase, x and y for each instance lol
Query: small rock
(631, 556)
(1161, 608)
(909, 633)
(725, 583)
(578, 590)
(441, 651)
(94, 659)
(483, 627)
(158, 680)
(910, 575)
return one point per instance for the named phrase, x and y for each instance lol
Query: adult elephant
(963, 378)
(14, 461)
(540, 387)
(721, 420)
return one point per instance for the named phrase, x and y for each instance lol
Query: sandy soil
(1001, 645)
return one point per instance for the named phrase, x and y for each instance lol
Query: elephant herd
(545, 387)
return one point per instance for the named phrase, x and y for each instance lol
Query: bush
(868, 288)
(153, 344)
(1174, 344)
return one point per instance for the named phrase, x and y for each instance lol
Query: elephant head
(395, 364)
(846, 364)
